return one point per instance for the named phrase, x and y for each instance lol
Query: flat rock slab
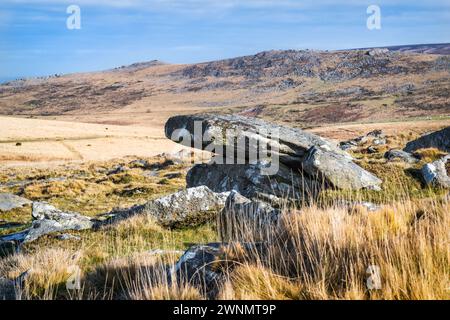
(289, 143)
(305, 160)
(9, 201)
(48, 219)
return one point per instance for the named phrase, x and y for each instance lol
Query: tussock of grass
(324, 254)
(429, 155)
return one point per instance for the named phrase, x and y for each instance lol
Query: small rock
(173, 175)
(139, 163)
(48, 219)
(158, 252)
(161, 165)
(118, 169)
(435, 173)
(372, 150)
(379, 141)
(376, 133)
(395, 154)
(67, 236)
(350, 206)
(203, 265)
(9, 201)
(377, 52)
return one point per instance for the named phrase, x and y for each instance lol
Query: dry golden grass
(313, 254)
(325, 253)
(430, 154)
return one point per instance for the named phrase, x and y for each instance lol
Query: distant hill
(298, 87)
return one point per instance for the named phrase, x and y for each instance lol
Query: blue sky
(34, 40)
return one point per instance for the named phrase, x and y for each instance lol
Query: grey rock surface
(395, 154)
(289, 144)
(439, 139)
(249, 180)
(190, 207)
(245, 220)
(48, 219)
(203, 265)
(9, 201)
(435, 174)
(338, 172)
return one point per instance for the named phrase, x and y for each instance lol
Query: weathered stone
(199, 267)
(10, 289)
(9, 201)
(48, 219)
(379, 141)
(338, 172)
(203, 265)
(244, 220)
(376, 136)
(435, 174)
(249, 180)
(395, 154)
(190, 207)
(378, 52)
(117, 170)
(439, 139)
(139, 163)
(160, 252)
(372, 149)
(289, 144)
(67, 237)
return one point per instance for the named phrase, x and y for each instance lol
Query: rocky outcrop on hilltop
(328, 66)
